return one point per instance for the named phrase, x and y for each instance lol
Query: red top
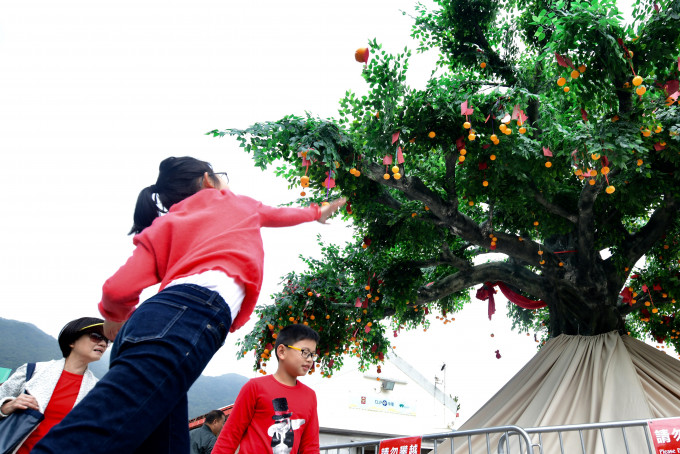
(270, 417)
(211, 230)
(62, 401)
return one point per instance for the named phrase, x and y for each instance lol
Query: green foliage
(589, 169)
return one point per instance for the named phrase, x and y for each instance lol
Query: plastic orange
(561, 81)
(574, 74)
(395, 169)
(483, 65)
(522, 130)
(361, 54)
(566, 89)
(610, 189)
(641, 90)
(637, 80)
(548, 164)
(467, 125)
(304, 181)
(431, 134)
(472, 137)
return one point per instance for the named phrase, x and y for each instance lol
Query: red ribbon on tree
(486, 292)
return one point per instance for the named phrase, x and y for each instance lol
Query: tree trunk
(582, 310)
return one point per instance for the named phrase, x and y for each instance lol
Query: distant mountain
(22, 342)
(211, 393)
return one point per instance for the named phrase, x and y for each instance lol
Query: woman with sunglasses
(203, 243)
(56, 386)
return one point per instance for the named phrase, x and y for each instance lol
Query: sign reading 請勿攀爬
(408, 445)
(665, 435)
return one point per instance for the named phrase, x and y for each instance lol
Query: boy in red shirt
(276, 413)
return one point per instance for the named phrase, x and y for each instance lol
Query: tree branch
(585, 230)
(450, 177)
(639, 243)
(555, 209)
(519, 277)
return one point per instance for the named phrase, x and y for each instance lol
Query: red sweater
(259, 426)
(211, 230)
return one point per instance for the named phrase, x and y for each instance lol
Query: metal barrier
(615, 441)
(366, 447)
(595, 438)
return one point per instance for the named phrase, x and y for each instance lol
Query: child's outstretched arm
(288, 216)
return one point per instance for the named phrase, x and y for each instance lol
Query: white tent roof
(585, 379)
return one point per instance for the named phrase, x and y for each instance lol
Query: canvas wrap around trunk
(583, 379)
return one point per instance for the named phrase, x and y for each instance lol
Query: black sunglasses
(97, 338)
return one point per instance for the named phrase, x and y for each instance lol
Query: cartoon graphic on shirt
(281, 431)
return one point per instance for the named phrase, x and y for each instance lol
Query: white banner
(383, 404)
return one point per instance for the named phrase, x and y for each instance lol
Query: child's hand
(328, 210)
(111, 329)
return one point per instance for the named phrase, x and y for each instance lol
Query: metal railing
(616, 440)
(364, 447)
(629, 437)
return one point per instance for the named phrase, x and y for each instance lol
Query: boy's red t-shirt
(260, 425)
(62, 401)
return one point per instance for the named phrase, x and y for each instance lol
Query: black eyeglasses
(223, 175)
(306, 354)
(97, 338)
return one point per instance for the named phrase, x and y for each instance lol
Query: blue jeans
(140, 405)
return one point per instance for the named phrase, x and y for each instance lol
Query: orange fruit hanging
(361, 55)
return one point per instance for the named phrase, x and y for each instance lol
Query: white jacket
(42, 383)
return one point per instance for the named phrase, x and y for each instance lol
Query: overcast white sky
(93, 95)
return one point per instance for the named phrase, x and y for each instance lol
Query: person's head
(178, 178)
(85, 337)
(296, 349)
(215, 421)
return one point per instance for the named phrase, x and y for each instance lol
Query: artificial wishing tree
(542, 157)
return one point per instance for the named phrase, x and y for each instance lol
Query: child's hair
(178, 178)
(294, 333)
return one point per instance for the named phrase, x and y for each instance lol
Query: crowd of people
(202, 243)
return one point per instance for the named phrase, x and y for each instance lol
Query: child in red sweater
(276, 413)
(207, 254)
